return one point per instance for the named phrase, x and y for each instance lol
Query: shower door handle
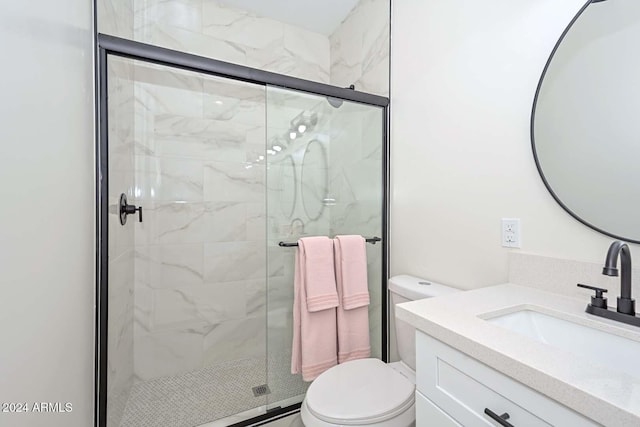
(127, 209)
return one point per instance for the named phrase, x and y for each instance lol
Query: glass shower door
(216, 173)
(187, 291)
(324, 177)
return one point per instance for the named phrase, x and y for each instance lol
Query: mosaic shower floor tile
(211, 393)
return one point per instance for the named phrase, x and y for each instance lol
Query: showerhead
(334, 102)
(337, 102)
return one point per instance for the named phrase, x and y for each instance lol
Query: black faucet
(626, 305)
(626, 311)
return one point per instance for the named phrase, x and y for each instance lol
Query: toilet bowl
(369, 392)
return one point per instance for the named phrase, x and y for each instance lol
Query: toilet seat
(360, 392)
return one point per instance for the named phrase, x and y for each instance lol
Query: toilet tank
(404, 289)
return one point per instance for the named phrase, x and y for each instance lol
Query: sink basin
(597, 346)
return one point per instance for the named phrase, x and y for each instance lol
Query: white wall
(463, 78)
(47, 251)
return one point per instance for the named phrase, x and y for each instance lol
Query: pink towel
(319, 280)
(353, 313)
(314, 348)
(351, 270)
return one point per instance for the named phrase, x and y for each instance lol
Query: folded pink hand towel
(320, 279)
(351, 281)
(314, 348)
(351, 268)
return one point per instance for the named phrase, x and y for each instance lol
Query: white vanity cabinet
(453, 389)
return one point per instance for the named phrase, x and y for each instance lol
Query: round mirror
(314, 179)
(585, 125)
(287, 186)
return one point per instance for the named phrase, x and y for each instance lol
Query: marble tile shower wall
(121, 241)
(360, 48)
(207, 28)
(360, 56)
(189, 149)
(351, 138)
(116, 17)
(356, 163)
(200, 253)
(290, 181)
(356, 53)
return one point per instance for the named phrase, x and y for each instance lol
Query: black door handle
(500, 419)
(127, 209)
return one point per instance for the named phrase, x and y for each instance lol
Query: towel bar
(372, 240)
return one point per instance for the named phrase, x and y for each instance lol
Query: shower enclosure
(205, 171)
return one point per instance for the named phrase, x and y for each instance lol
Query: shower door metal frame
(110, 45)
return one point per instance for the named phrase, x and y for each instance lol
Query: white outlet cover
(511, 235)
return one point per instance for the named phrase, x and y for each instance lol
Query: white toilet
(369, 392)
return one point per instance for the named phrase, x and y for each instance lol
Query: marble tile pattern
(355, 183)
(120, 343)
(206, 260)
(288, 220)
(208, 28)
(352, 139)
(360, 48)
(205, 264)
(203, 274)
(200, 254)
(115, 17)
(356, 53)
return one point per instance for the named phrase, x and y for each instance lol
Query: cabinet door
(428, 414)
(464, 388)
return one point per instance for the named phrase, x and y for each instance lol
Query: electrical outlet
(511, 233)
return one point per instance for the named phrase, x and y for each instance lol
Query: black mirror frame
(532, 133)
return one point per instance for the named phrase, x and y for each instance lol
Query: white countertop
(601, 393)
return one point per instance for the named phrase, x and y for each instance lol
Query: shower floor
(209, 394)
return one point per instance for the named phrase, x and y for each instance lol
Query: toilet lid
(360, 391)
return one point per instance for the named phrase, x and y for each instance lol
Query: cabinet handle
(500, 419)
